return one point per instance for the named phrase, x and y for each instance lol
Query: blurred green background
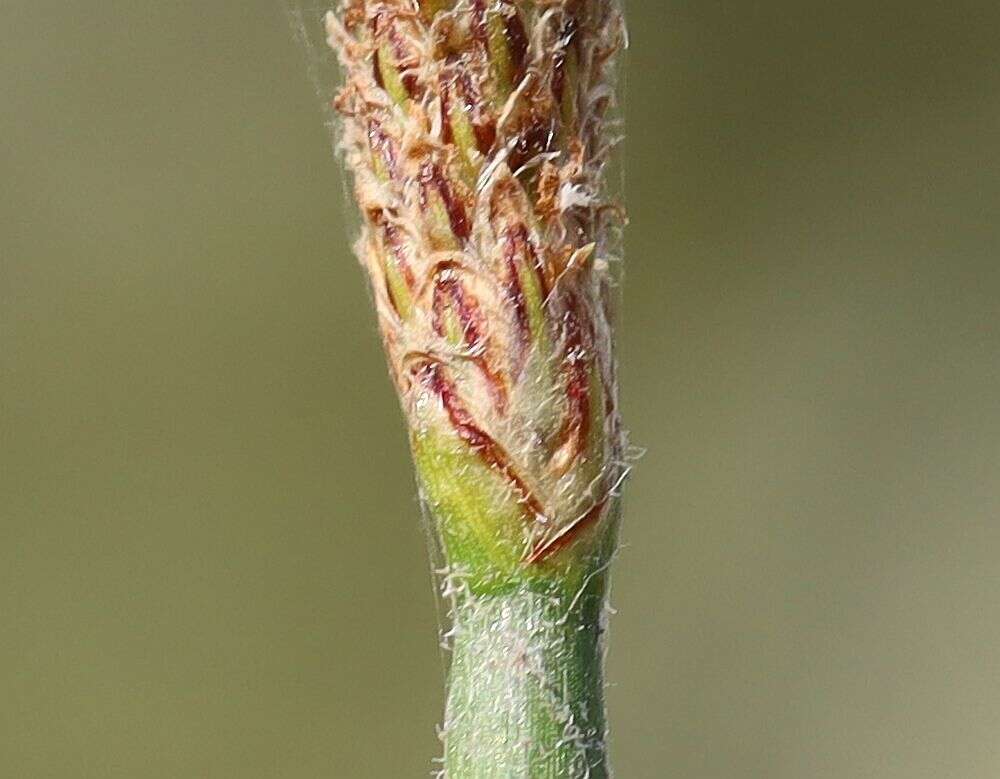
(210, 558)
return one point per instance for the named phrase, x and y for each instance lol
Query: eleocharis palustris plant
(476, 132)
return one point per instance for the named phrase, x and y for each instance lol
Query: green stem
(526, 689)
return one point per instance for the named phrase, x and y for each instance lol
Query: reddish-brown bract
(476, 133)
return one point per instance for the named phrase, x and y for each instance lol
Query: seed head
(476, 134)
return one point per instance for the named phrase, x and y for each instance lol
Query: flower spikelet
(477, 134)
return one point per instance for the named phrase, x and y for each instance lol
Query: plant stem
(477, 134)
(526, 690)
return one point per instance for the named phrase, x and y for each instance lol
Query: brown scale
(517, 42)
(535, 138)
(514, 34)
(395, 242)
(392, 239)
(480, 31)
(546, 547)
(431, 178)
(518, 250)
(382, 145)
(385, 29)
(506, 208)
(568, 34)
(515, 295)
(449, 292)
(458, 85)
(575, 368)
(431, 376)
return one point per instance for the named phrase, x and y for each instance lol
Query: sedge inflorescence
(477, 135)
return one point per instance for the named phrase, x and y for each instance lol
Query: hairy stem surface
(526, 696)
